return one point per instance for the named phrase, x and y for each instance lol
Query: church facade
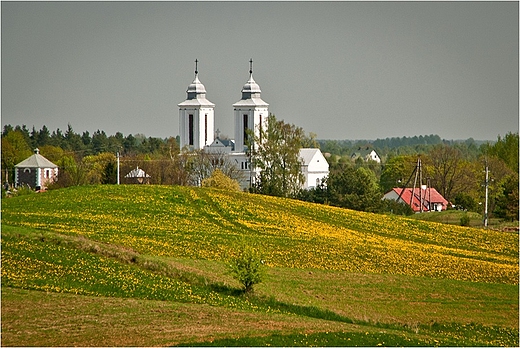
(197, 130)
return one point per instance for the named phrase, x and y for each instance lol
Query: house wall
(25, 176)
(47, 176)
(36, 177)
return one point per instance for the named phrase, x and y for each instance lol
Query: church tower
(196, 116)
(250, 111)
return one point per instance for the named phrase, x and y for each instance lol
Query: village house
(430, 198)
(366, 153)
(36, 171)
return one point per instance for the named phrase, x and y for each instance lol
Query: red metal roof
(430, 196)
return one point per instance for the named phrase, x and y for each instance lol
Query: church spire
(251, 66)
(196, 67)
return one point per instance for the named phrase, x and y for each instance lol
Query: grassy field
(453, 217)
(147, 265)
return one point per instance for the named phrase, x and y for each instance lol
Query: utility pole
(118, 167)
(418, 172)
(486, 184)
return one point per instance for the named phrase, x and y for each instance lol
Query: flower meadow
(202, 223)
(30, 263)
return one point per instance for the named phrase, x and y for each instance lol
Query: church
(197, 130)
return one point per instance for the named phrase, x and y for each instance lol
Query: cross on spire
(251, 66)
(196, 66)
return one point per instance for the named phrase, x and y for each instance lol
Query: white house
(196, 127)
(366, 153)
(315, 167)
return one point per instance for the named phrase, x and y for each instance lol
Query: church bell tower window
(190, 130)
(245, 127)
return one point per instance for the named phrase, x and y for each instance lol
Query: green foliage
(507, 201)
(506, 149)
(464, 220)
(247, 267)
(221, 181)
(394, 207)
(354, 188)
(396, 171)
(275, 150)
(464, 201)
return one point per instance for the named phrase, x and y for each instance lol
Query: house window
(27, 170)
(190, 130)
(47, 173)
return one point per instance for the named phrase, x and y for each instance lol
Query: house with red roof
(427, 197)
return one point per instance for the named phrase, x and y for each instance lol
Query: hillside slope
(200, 223)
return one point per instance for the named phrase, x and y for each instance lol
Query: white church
(197, 130)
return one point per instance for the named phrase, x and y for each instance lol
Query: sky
(342, 70)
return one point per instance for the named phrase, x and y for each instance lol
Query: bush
(221, 181)
(464, 220)
(248, 268)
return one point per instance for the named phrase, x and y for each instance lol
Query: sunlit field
(420, 283)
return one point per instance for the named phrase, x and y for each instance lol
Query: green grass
(335, 277)
(453, 217)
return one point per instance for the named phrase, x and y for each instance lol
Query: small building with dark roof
(37, 172)
(137, 176)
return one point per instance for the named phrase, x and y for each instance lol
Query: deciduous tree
(275, 151)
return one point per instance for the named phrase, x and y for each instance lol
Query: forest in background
(455, 168)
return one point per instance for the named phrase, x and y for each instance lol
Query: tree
(397, 170)
(506, 149)
(275, 151)
(354, 189)
(507, 201)
(14, 150)
(449, 172)
(247, 268)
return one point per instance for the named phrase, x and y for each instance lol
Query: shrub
(221, 181)
(248, 268)
(464, 220)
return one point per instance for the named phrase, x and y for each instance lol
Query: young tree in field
(275, 151)
(247, 267)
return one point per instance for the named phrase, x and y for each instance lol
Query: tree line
(455, 169)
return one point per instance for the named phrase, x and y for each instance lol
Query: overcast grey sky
(343, 70)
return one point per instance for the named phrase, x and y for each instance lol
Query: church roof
(251, 92)
(36, 161)
(196, 93)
